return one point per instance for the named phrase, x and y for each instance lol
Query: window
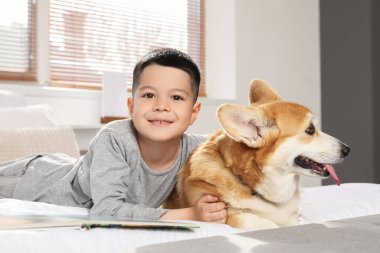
(89, 37)
(18, 40)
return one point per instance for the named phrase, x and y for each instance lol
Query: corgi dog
(254, 163)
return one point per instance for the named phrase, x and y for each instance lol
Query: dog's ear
(244, 124)
(261, 92)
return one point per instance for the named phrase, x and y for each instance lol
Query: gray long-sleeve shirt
(111, 179)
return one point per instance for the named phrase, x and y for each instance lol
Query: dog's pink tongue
(331, 170)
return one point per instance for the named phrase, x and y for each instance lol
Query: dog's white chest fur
(274, 204)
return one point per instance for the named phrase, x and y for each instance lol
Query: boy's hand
(210, 209)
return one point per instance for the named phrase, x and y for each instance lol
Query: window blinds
(88, 37)
(18, 40)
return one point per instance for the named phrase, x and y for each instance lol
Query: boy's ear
(244, 124)
(130, 105)
(195, 112)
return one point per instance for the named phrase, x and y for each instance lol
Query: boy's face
(162, 107)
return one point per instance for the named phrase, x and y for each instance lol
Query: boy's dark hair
(170, 58)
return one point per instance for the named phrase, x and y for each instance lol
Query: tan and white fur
(255, 162)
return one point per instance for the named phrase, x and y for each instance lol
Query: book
(84, 222)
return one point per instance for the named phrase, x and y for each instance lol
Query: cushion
(11, 98)
(26, 116)
(15, 143)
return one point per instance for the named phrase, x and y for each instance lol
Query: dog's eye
(310, 130)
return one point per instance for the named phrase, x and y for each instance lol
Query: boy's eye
(148, 95)
(176, 97)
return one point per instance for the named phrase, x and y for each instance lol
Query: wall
(220, 49)
(350, 63)
(279, 41)
(375, 16)
(275, 40)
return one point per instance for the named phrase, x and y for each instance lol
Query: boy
(130, 166)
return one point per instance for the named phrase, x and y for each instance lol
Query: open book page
(87, 222)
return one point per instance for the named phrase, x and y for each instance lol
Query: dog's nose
(345, 150)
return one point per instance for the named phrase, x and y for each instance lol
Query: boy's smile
(163, 104)
(160, 122)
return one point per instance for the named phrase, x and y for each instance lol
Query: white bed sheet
(318, 204)
(326, 203)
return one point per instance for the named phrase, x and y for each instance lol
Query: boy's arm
(206, 209)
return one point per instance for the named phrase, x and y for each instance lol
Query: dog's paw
(250, 222)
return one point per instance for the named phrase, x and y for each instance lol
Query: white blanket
(318, 204)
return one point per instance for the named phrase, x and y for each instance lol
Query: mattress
(318, 205)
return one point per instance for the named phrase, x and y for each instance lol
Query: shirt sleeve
(108, 173)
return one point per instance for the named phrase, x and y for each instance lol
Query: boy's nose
(161, 105)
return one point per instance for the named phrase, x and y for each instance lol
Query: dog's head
(283, 133)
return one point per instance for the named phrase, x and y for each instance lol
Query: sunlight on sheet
(245, 244)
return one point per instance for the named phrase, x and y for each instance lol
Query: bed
(30, 129)
(321, 208)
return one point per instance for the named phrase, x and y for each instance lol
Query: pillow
(26, 116)
(10, 98)
(15, 143)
